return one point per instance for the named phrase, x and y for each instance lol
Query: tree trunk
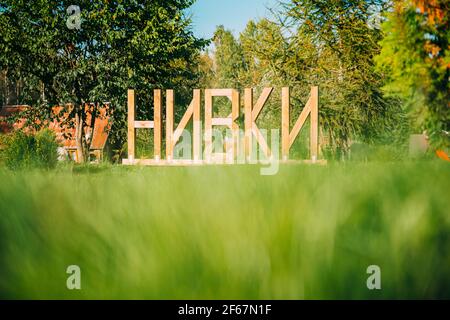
(79, 138)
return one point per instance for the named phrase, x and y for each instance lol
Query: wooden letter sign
(241, 140)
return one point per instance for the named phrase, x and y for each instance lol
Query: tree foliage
(119, 45)
(331, 44)
(415, 59)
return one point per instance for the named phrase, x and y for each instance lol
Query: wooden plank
(160, 163)
(144, 124)
(208, 124)
(235, 106)
(157, 124)
(220, 156)
(182, 125)
(197, 140)
(261, 102)
(285, 106)
(169, 123)
(299, 123)
(314, 134)
(248, 119)
(221, 92)
(227, 122)
(131, 129)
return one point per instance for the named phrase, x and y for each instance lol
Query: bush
(46, 149)
(24, 150)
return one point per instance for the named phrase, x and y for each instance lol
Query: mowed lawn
(309, 232)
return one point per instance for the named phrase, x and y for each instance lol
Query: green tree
(327, 43)
(115, 46)
(228, 58)
(415, 59)
(340, 40)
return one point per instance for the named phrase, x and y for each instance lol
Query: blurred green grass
(309, 232)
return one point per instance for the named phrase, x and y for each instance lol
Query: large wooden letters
(252, 111)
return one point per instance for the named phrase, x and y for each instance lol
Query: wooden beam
(299, 123)
(248, 105)
(222, 92)
(197, 140)
(157, 124)
(182, 125)
(131, 129)
(169, 123)
(227, 122)
(188, 163)
(235, 104)
(285, 118)
(144, 124)
(261, 102)
(208, 124)
(314, 134)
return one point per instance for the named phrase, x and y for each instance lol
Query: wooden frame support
(170, 98)
(131, 127)
(288, 137)
(314, 134)
(157, 128)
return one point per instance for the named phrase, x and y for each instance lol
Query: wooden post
(285, 106)
(169, 124)
(131, 129)
(208, 125)
(158, 126)
(314, 135)
(235, 102)
(248, 106)
(197, 140)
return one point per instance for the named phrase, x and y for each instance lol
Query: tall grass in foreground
(227, 232)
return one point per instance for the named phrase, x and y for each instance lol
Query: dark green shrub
(24, 150)
(18, 149)
(46, 153)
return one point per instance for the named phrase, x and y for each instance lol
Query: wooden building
(64, 134)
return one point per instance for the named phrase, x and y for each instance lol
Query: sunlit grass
(227, 232)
